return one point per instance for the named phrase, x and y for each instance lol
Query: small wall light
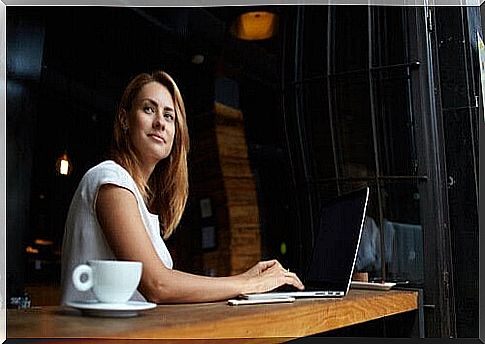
(255, 25)
(30, 249)
(198, 59)
(63, 165)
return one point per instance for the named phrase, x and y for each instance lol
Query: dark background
(320, 120)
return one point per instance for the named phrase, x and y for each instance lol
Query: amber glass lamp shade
(256, 25)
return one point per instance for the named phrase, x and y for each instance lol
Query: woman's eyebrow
(165, 108)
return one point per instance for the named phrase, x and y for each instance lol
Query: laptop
(334, 253)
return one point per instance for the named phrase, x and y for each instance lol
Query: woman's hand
(259, 268)
(268, 275)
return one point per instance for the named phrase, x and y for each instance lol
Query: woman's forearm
(169, 286)
(177, 286)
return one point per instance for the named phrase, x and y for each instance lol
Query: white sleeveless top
(83, 237)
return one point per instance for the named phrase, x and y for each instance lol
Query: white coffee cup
(112, 281)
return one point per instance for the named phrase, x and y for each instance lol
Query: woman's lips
(157, 138)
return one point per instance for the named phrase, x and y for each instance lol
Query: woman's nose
(159, 122)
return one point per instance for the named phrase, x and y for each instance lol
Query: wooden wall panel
(222, 172)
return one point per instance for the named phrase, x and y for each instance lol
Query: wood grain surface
(261, 323)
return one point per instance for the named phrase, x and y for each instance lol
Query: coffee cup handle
(76, 277)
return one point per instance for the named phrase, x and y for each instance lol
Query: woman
(122, 205)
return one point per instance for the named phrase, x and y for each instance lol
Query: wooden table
(262, 323)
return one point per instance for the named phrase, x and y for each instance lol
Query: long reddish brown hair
(166, 191)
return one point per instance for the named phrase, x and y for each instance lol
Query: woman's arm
(119, 217)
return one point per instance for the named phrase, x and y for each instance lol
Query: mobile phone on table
(240, 302)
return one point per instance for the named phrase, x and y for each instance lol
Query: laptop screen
(337, 240)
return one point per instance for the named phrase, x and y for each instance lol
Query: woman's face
(151, 123)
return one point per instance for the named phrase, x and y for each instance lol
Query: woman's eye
(169, 116)
(149, 109)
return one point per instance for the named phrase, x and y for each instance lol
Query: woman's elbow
(155, 291)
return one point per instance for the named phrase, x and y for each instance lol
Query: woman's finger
(268, 264)
(285, 277)
(294, 280)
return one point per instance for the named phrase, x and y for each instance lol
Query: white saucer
(100, 309)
